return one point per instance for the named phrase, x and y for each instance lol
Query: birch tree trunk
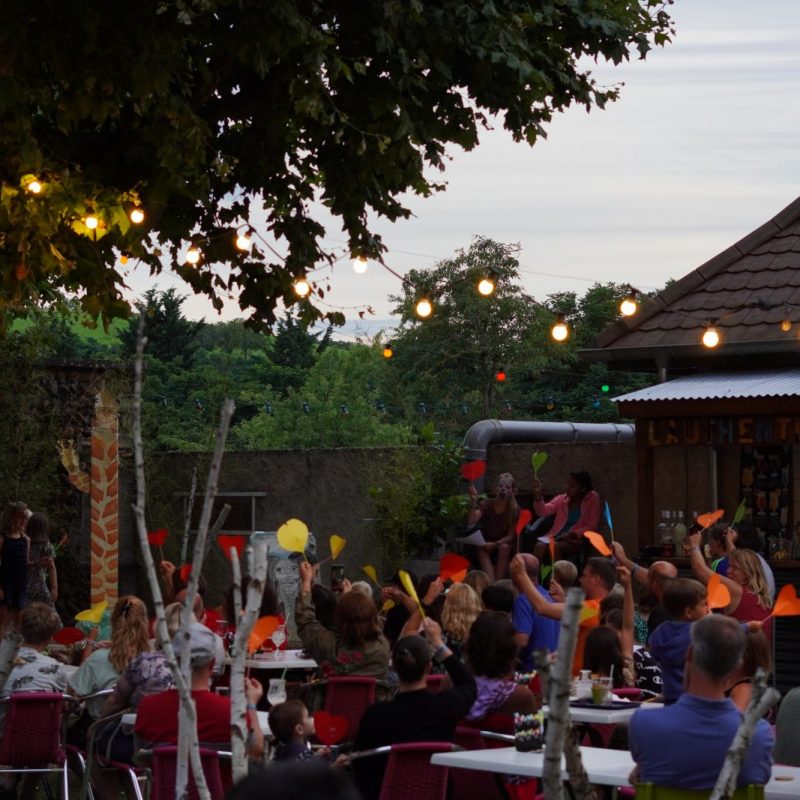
(558, 720)
(186, 703)
(188, 521)
(257, 559)
(762, 699)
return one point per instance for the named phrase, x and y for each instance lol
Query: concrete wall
(328, 490)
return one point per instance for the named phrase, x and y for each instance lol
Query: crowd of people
(644, 628)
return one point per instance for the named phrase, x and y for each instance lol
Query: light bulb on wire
(136, 216)
(243, 241)
(629, 305)
(486, 285)
(424, 308)
(360, 265)
(193, 255)
(388, 351)
(560, 330)
(710, 337)
(786, 325)
(301, 287)
(35, 187)
(91, 222)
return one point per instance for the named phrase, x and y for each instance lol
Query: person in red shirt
(157, 715)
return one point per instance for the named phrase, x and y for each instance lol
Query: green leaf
(740, 512)
(546, 570)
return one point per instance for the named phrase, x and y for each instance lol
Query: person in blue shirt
(533, 631)
(683, 746)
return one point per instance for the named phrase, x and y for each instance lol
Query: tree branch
(762, 699)
(256, 556)
(9, 648)
(187, 707)
(188, 521)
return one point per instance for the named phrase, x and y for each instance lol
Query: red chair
(349, 697)
(163, 765)
(471, 784)
(409, 772)
(33, 742)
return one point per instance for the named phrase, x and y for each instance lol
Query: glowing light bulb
(559, 331)
(786, 325)
(34, 187)
(710, 337)
(137, 216)
(91, 222)
(243, 241)
(302, 287)
(193, 255)
(628, 307)
(500, 376)
(388, 352)
(424, 308)
(360, 265)
(123, 259)
(486, 286)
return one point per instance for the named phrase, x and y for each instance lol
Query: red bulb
(500, 376)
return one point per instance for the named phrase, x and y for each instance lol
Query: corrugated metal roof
(722, 385)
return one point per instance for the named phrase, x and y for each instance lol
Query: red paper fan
(522, 520)
(158, 537)
(228, 540)
(473, 470)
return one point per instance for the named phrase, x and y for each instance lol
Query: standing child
(41, 563)
(14, 554)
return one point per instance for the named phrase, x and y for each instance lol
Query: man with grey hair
(683, 745)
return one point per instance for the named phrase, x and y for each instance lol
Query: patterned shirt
(33, 672)
(147, 673)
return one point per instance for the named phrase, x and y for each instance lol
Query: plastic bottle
(584, 685)
(679, 533)
(667, 545)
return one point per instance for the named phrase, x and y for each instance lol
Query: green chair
(649, 791)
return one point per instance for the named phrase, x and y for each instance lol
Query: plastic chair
(163, 765)
(409, 772)
(649, 791)
(33, 741)
(349, 697)
(474, 784)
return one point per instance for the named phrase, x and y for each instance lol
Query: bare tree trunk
(187, 730)
(257, 559)
(9, 648)
(188, 521)
(762, 699)
(579, 780)
(558, 720)
(186, 703)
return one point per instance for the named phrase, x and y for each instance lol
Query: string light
(193, 255)
(786, 325)
(360, 265)
(35, 187)
(388, 352)
(559, 331)
(500, 375)
(136, 216)
(605, 388)
(424, 308)
(487, 284)
(244, 241)
(629, 305)
(710, 337)
(91, 222)
(301, 287)
(123, 259)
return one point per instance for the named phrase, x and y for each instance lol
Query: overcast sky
(701, 148)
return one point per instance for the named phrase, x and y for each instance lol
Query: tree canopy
(208, 116)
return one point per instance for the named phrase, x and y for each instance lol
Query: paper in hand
(475, 538)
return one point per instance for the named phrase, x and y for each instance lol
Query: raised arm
(316, 638)
(475, 511)
(525, 585)
(638, 573)
(703, 573)
(626, 639)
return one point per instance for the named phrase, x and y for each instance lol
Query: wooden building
(722, 425)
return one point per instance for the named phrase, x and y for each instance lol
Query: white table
(288, 659)
(604, 716)
(263, 721)
(603, 767)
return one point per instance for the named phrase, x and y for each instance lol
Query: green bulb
(605, 388)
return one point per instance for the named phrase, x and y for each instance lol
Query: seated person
(757, 655)
(684, 745)
(497, 598)
(787, 742)
(492, 656)
(33, 671)
(157, 716)
(291, 726)
(415, 714)
(534, 631)
(497, 517)
(686, 601)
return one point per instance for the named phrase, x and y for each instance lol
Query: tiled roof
(747, 291)
(722, 386)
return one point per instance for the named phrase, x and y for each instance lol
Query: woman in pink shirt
(576, 510)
